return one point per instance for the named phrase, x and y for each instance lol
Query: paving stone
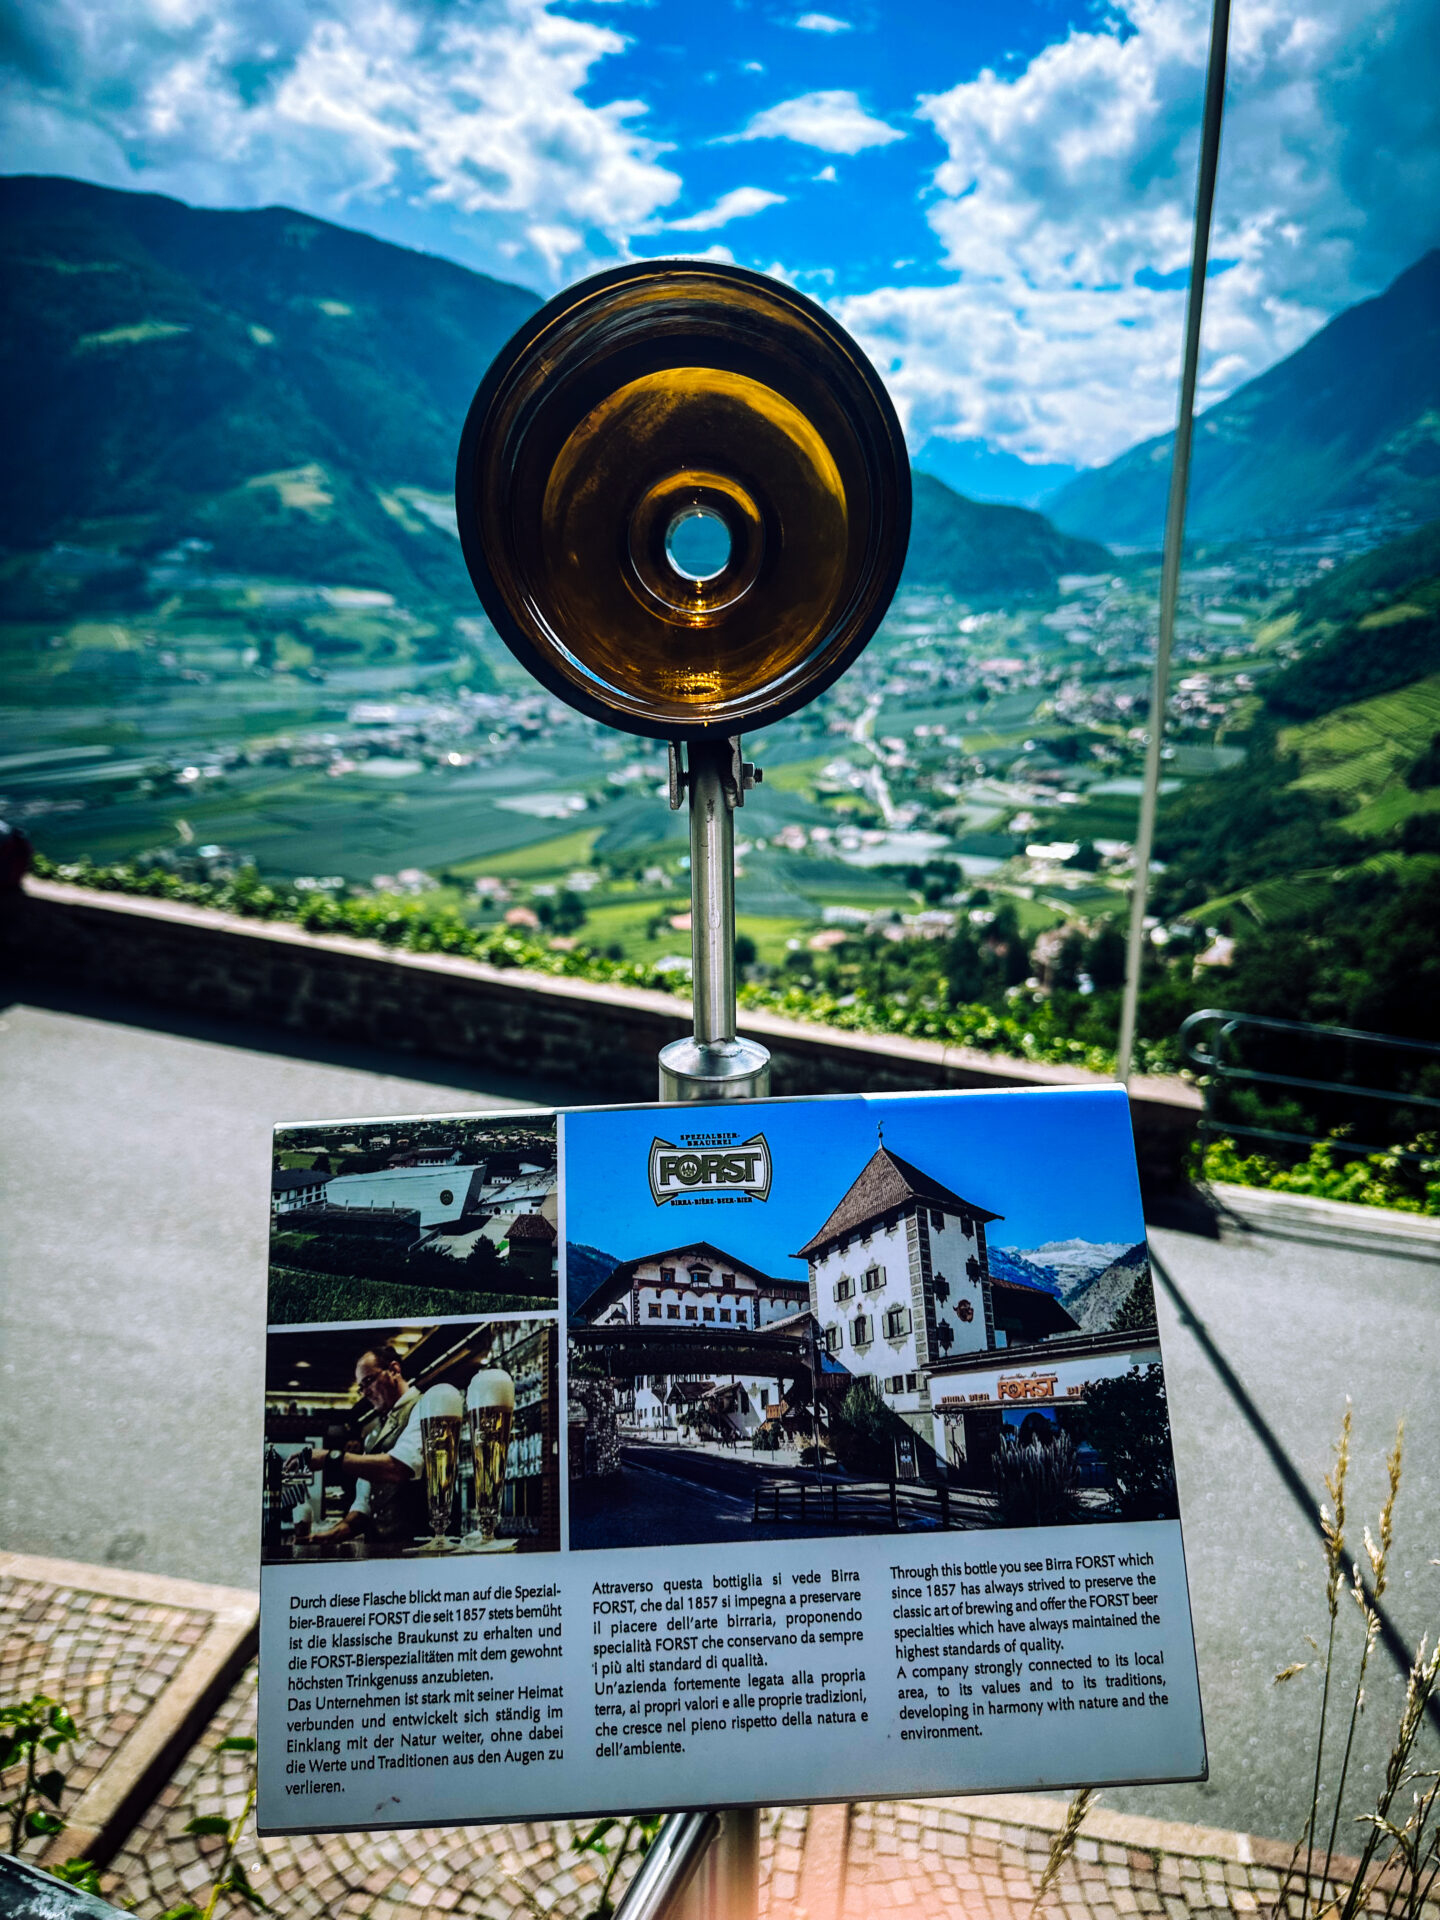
(116, 1655)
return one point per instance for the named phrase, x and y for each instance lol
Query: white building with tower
(900, 1282)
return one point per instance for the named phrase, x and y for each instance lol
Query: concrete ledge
(137, 1769)
(605, 1037)
(1300, 1216)
(1133, 1830)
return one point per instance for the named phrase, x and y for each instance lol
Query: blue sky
(995, 198)
(1058, 1166)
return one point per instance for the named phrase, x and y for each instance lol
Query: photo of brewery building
(693, 1288)
(411, 1438)
(413, 1217)
(908, 1380)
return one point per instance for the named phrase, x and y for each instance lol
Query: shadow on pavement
(255, 1037)
(1290, 1476)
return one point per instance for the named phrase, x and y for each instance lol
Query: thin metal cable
(1175, 524)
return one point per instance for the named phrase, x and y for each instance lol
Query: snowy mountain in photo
(1008, 1263)
(1060, 1266)
(1099, 1302)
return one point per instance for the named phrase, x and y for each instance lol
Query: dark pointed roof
(530, 1226)
(885, 1184)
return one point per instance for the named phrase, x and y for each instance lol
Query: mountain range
(291, 393)
(586, 1268)
(1320, 851)
(1349, 423)
(1094, 1280)
(287, 390)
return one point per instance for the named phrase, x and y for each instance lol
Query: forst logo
(706, 1171)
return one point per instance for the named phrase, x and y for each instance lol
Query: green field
(1360, 754)
(298, 1298)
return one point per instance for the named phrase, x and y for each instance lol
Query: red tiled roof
(884, 1185)
(530, 1226)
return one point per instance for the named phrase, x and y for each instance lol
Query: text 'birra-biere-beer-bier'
(710, 1169)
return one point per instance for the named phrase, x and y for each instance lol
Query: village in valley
(983, 750)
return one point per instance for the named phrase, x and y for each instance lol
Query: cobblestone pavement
(495, 1871)
(985, 1860)
(910, 1860)
(106, 1658)
(117, 1647)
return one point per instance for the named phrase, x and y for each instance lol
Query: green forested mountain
(973, 547)
(263, 380)
(292, 392)
(1350, 421)
(1322, 851)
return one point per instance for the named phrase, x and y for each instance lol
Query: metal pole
(712, 899)
(668, 1869)
(1174, 525)
(704, 1866)
(714, 1063)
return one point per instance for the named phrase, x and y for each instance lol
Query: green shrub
(1035, 1482)
(1331, 1171)
(1127, 1422)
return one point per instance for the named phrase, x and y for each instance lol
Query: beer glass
(489, 1408)
(440, 1413)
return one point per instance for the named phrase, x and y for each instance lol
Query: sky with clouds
(996, 199)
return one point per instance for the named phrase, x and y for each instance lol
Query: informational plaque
(624, 1458)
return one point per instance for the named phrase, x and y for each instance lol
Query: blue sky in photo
(996, 200)
(1058, 1166)
(841, 221)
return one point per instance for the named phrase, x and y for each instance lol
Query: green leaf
(187, 1910)
(51, 1784)
(239, 1883)
(594, 1840)
(63, 1724)
(237, 1743)
(208, 1823)
(78, 1873)
(37, 1823)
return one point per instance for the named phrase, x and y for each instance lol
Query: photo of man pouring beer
(385, 1440)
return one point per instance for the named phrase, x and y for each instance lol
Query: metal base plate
(693, 1070)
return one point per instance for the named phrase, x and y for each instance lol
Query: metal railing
(1213, 1038)
(870, 1505)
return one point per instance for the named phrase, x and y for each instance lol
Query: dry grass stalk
(1399, 1865)
(1063, 1845)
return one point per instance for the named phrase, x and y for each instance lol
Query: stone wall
(602, 1037)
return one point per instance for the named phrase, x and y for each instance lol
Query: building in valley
(979, 1399)
(294, 1189)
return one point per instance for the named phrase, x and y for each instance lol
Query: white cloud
(827, 176)
(834, 121)
(821, 23)
(738, 204)
(1065, 181)
(467, 122)
(722, 254)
